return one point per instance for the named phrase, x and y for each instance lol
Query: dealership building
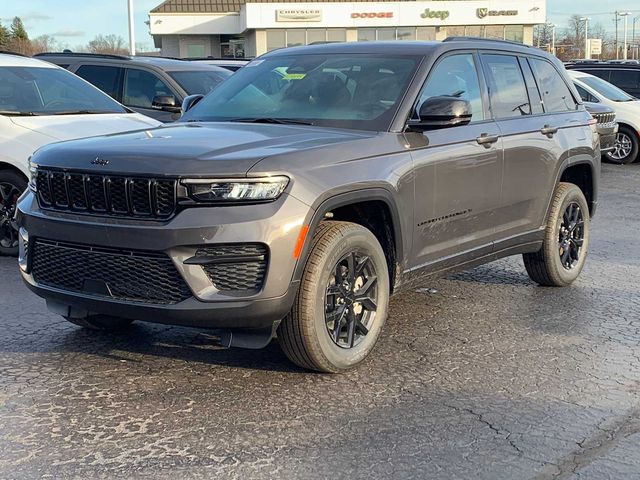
(239, 28)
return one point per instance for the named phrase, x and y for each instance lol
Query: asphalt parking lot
(480, 375)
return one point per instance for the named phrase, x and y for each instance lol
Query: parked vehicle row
(310, 186)
(41, 103)
(152, 86)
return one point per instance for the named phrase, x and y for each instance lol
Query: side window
(584, 95)
(141, 86)
(104, 77)
(603, 73)
(532, 87)
(626, 79)
(556, 96)
(455, 75)
(507, 89)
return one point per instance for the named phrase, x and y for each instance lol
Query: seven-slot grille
(604, 117)
(234, 267)
(106, 194)
(136, 276)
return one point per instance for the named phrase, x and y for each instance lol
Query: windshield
(200, 81)
(50, 91)
(358, 91)
(606, 89)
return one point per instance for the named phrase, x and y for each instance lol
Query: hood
(68, 127)
(597, 108)
(196, 149)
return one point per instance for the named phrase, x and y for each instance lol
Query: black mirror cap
(165, 102)
(442, 112)
(189, 102)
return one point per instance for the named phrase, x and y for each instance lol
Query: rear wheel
(12, 184)
(105, 323)
(561, 259)
(342, 302)
(626, 147)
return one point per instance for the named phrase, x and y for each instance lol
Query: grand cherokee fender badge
(99, 161)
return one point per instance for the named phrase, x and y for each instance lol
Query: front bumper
(607, 133)
(276, 225)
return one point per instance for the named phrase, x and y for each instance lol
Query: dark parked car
(625, 76)
(297, 207)
(153, 86)
(607, 126)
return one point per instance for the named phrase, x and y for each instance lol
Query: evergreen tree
(5, 38)
(18, 32)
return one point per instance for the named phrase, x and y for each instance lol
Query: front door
(457, 170)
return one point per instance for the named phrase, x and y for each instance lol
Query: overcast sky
(75, 22)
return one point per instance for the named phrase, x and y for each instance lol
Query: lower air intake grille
(235, 267)
(130, 275)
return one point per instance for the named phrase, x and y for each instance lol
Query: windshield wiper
(12, 113)
(80, 112)
(280, 121)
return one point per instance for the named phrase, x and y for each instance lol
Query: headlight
(241, 190)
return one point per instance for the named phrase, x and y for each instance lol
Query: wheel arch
(384, 223)
(582, 174)
(10, 166)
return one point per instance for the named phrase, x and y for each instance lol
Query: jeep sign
(439, 14)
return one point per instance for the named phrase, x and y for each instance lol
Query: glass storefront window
(455, 31)
(515, 33)
(494, 31)
(336, 34)
(275, 39)
(475, 31)
(366, 34)
(386, 34)
(426, 33)
(316, 35)
(406, 33)
(296, 38)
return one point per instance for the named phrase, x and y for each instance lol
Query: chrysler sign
(299, 15)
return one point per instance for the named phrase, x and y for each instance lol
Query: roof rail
(481, 39)
(211, 58)
(7, 52)
(80, 54)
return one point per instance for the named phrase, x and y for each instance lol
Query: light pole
(553, 38)
(132, 32)
(625, 15)
(586, 36)
(633, 37)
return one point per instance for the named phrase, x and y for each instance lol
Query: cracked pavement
(480, 375)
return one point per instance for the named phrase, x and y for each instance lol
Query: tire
(627, 145)
(12, 184)
(566, 240)
(104, 323)
(307, 335)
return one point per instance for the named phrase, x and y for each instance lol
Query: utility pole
(625, 15)
(553, 37)
(586, 37)
(132, 30)
(617, 52)
(633, 38)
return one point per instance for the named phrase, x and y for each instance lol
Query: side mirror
(165, 102)
(189, 102)
(442, 112)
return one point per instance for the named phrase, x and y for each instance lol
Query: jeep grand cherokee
(315, 182)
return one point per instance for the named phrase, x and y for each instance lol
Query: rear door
(627, 80)
(107, 78)
(457, 169)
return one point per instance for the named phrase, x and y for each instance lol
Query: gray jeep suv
(311, 185)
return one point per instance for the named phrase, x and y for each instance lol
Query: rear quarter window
(625, 78)
(556, 95)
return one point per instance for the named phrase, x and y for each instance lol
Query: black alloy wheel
(571, 236)
(351, 300)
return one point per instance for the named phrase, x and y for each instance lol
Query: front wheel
(12, 184)
(342, 301)
(566, 240)
(626, 147)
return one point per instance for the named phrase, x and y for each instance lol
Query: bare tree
(112, 44)
(44, 43)
(543, 36)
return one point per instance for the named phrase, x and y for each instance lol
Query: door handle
(548, 130)
(486, 139)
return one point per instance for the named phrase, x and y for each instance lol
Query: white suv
(41, 103)
(627, 108)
